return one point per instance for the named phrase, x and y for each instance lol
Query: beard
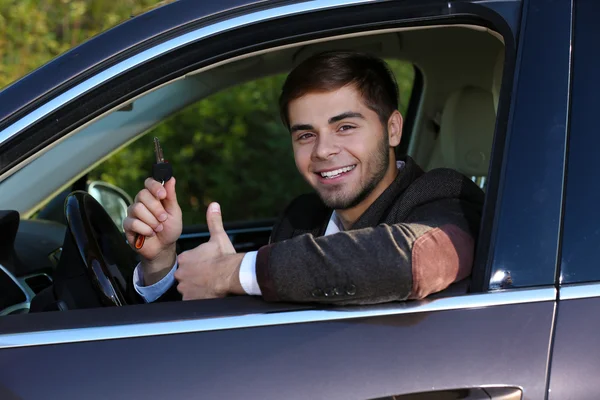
(377, 166)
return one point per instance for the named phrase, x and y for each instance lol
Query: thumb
(214, 220)
(170, 201)
(215, 227)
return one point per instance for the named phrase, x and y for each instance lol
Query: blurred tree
(32, 32)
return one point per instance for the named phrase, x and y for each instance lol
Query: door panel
(346, 359)
(576, 349)
(576, 353)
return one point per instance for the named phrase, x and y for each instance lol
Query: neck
(350, 215)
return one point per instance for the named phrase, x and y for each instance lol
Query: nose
(325, 147)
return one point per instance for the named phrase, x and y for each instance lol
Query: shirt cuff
(248, 274)
(153, 292)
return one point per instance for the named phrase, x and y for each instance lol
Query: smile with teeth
(337, 172)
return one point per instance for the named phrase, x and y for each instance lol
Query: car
(502, 91)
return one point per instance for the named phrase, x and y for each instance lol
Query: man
(375, 230)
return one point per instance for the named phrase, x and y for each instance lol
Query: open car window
(221, 131)
(452, 88)
(229, 147)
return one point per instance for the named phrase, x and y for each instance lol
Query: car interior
(453, 123)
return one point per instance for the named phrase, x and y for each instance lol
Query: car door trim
(579, 291)
(125, 331)
(165, 47)
(230, 232)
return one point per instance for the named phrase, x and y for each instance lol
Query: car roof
(57, 74)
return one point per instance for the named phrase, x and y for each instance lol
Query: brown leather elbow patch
(440, 257)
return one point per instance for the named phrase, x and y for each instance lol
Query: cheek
(358, 148)
(302, 158)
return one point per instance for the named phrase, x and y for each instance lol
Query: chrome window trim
(172, 44)
(125, 331)
(230, 232)
(579, 291)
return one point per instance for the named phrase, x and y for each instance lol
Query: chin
(339, 201)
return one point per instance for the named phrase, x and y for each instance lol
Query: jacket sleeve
(425, 254)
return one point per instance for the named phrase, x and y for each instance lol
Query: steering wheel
(101, 246)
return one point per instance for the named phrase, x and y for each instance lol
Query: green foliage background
(230, 147)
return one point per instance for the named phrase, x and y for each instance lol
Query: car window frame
(577, 256)
(521, 256)
(158, 312)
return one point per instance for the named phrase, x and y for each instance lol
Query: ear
(395, 128)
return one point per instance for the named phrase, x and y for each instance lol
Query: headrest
(497, 78)
(467, 130)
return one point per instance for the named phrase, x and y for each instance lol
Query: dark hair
(333, 70)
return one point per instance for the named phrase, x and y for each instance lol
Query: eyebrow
(347, 114)
(332, 120)
(301, 127)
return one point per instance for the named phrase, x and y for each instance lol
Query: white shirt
(247, 268)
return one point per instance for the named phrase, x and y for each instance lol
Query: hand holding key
(156, 216)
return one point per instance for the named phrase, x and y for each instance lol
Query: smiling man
(375, 229)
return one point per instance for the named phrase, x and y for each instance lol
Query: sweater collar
(380, 207)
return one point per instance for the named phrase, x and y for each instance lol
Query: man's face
(340, 146)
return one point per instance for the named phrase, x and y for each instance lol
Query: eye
(304, 136)
(346, 128)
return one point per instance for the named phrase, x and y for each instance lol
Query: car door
(489, 343)
(576, 354)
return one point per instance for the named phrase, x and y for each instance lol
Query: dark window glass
(581, 233)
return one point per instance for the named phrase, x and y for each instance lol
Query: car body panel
(576, 350)
(353, 359)
(372, 356)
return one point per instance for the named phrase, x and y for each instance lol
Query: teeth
(335, 173)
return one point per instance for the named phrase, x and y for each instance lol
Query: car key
(161, 172)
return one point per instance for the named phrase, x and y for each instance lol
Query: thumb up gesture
(212, 269)
(218, 236)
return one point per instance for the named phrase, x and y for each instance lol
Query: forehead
(318, 107)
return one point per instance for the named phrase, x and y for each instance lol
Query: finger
(153, 205)
(155, 188)
(139, 211)
(182, 291)
(214, 219)
(180, 272)
(133, 226)
(185, 291)
(170, 200)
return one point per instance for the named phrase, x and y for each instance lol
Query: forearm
(156, 269)
(385, 263)
(357, 267)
